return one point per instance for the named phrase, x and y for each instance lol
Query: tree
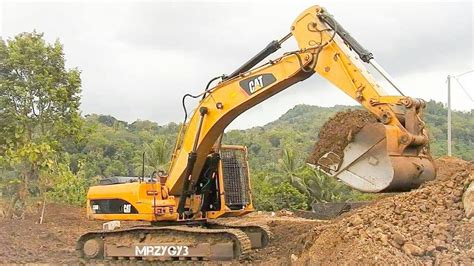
(288, 197)
(272, 197)
(292, 169)
(157, 154)
(39, 105)
(313, 184)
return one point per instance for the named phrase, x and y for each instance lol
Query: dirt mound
(338, 131)
(447, 166)
(424, 226)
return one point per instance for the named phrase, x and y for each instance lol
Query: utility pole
(449, 115)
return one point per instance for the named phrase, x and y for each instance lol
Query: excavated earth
(338, 131)
(425, 226)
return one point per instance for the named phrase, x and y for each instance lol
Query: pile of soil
(339, 131)
(425, 226)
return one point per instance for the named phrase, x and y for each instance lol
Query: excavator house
(207, 181)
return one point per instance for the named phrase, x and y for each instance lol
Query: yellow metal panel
(139, 194)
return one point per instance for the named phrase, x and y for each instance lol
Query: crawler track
(259, 234)
(168, 243)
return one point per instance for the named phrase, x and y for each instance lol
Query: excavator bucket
(367, 166)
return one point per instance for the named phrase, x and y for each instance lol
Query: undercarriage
(215, 240)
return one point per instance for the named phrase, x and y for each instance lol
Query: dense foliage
(47, 149)
(39, 114)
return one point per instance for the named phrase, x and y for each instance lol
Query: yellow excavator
(208, 181)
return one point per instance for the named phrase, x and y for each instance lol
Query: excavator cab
(228, 192)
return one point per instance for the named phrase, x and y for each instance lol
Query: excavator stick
(367, 166)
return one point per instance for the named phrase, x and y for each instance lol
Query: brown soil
(26, 241)
(289, 235)
(425, 226)
(338, 131)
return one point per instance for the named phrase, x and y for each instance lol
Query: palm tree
(291, 171)
(157, 154)
(323, 188)
(318, 186)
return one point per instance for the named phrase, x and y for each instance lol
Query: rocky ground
(425, 226)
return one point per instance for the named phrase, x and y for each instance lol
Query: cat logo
(127, 208)
(256, 83)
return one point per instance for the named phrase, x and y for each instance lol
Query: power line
(464, 89)
(464, 73)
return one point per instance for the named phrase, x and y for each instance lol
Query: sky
(137, 59)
